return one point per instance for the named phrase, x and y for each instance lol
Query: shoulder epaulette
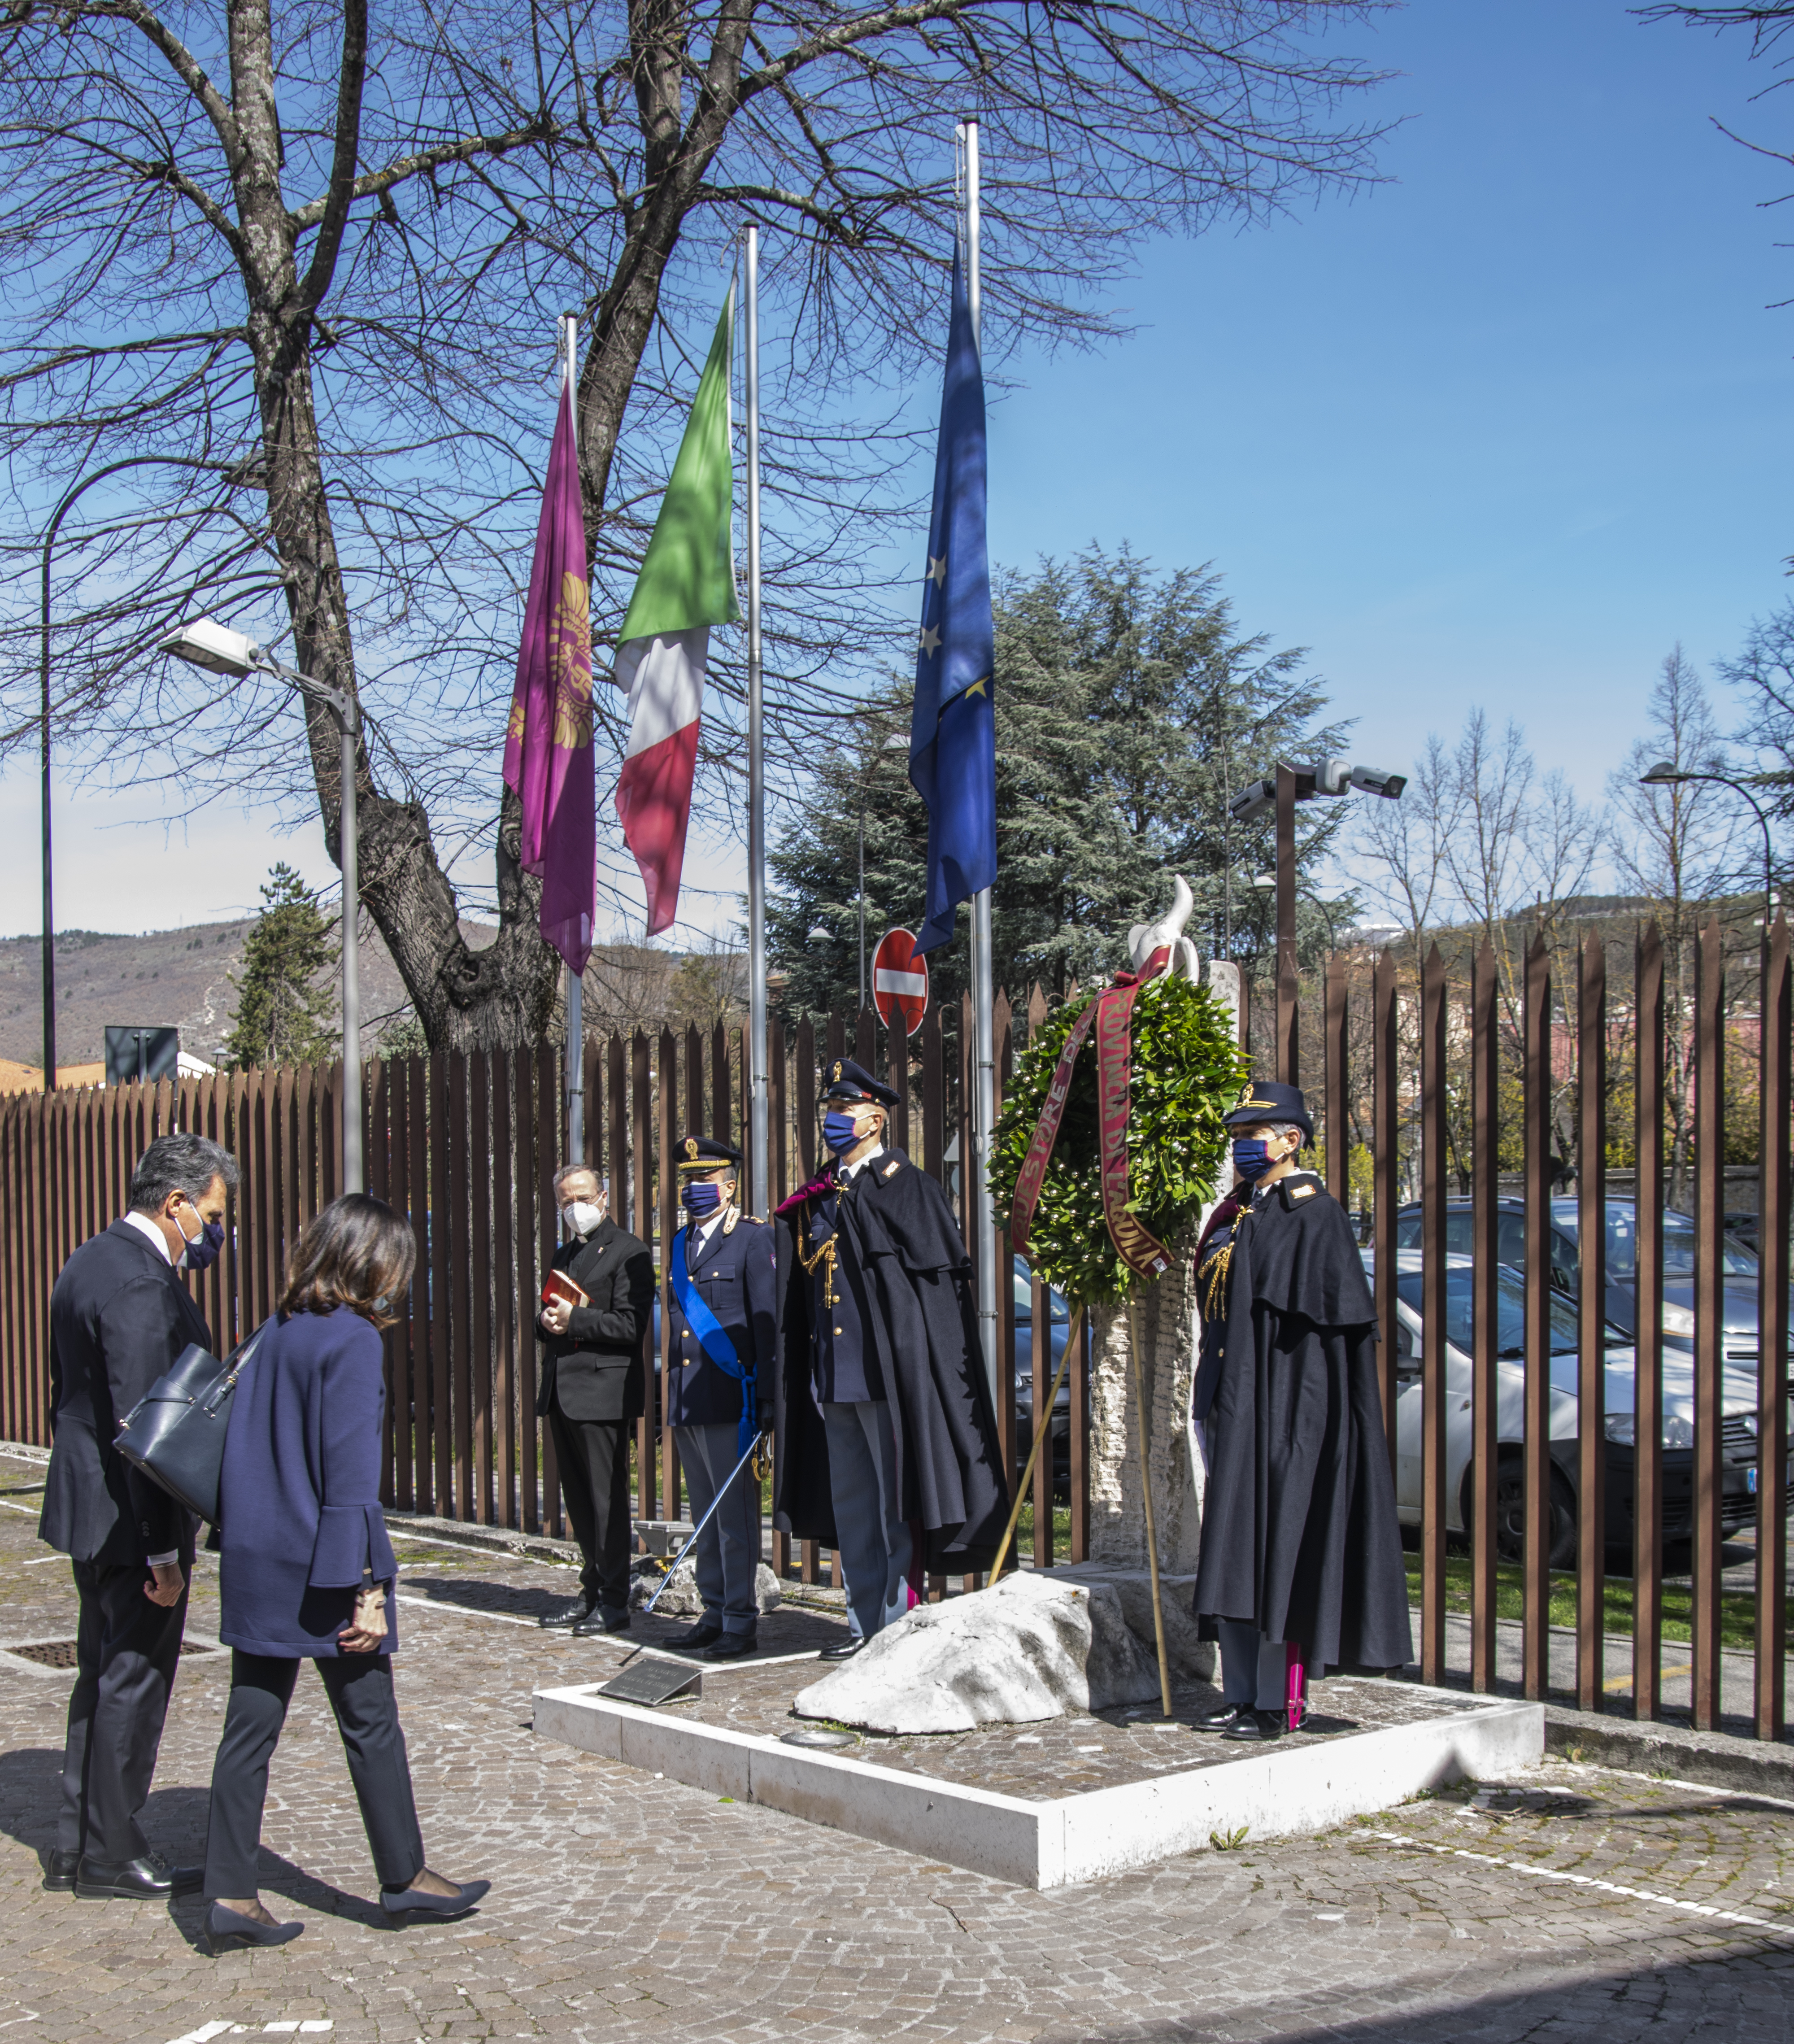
(753, 1221)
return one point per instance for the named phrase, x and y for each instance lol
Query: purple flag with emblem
(548, 745)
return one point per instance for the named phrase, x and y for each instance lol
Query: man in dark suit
(119, 1317)
(592, 1390)
(719, 1391)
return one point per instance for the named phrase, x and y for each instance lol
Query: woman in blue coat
(306, 1570)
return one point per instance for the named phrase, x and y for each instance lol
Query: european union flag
(953, 732)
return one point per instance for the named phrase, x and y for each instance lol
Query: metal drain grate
(47, 1653)
(60, 1653)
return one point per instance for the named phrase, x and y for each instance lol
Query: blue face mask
(203, 1250)
(838, 1132)
(1252, 1157)
(702, 1197)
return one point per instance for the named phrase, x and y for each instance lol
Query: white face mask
(581, 1216)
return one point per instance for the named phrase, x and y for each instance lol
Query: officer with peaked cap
(887, 1448)
(1301, 1565)
(719, 1386)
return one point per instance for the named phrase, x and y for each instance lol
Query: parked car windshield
(1736, 1261)
(1510, 1294)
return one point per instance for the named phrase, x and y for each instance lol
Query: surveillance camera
(1332, 777)
(1250, 802)
(1373, 781)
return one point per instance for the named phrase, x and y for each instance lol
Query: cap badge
(691, 1147)
(837, 1071)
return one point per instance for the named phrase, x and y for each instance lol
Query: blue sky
(1498, 432)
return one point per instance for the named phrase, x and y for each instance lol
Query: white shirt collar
(145, 1225)
(707, 1228)
(853, 1170)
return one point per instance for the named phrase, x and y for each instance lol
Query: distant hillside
(179, 979)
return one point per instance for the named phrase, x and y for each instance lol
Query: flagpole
(576, 989)
(984, 1058)
(757, 1098)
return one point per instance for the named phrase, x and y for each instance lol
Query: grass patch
(1738, 1609)
(1023, 1544)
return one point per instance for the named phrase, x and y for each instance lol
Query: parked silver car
(1738, 1407)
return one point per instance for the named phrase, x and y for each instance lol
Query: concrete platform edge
(1716, 1760)
(1049, 1844)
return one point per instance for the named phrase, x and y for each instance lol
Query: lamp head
(203, 642)
(815, 934)
(1665, 773)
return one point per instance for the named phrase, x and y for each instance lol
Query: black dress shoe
(227, 1929)
(567, 1618)
(417, 1902)
(148, 1878)
(58, 1871)
(1257, 1726)
(704, 1633)
(842, 1649)
(732, 1646)
(1223, 1720)
(601, 1618)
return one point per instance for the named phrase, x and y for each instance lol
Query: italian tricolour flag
(686, 584)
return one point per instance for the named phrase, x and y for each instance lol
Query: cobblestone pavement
(1572, 1903)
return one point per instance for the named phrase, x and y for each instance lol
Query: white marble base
(1283, 1791)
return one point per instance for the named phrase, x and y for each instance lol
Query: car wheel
(1510, 1513)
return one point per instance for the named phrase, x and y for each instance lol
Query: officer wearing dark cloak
(899, 1348)
(1301, 1564)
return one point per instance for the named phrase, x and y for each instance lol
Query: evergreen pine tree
(283, 1016)
(1129, 709)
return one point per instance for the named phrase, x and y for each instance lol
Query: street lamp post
(1333, 778)
(203, 643)
(1665, 773)
(65, 506)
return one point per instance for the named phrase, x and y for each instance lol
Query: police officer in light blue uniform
(718, 1392)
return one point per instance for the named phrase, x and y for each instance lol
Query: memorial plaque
(650, 1681)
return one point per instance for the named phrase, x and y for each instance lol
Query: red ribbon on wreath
(1111, 1013)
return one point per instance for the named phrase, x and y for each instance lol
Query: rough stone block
(1032, 1648)
(681, 1600)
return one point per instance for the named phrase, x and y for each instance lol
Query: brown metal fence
(1449, 1069)
(465, 1146)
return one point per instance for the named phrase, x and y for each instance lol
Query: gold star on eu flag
(936, 571)
(931, 639)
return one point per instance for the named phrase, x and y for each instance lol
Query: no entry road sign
(899, 981)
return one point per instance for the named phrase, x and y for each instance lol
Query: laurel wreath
(1187, 1069)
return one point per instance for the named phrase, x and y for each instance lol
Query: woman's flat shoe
(225, 1927)
(410, 1900)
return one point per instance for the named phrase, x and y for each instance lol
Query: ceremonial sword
(705, 1521)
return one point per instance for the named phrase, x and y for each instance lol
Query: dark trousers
(360, 1689)
(126, 1650)
(594, 1457)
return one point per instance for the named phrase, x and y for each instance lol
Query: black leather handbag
(176, 1432)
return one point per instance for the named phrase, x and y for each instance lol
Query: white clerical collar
(145, 1225)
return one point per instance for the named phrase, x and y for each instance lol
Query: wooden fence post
(1647, 1354)
(1432, 1315)
(1536, 1451)
(1590, 1404)
(1485, 1296)
(1772, 1321)
(1709, 1316)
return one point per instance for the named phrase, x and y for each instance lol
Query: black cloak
(900, 1235)
(1299, 1535)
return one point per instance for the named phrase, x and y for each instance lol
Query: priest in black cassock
(1301, 1564)
(885, 1441)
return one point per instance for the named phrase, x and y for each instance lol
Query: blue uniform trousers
(1254, 1670)
(728, 1553)
(872, 1536)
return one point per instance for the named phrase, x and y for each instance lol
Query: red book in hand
(557, 1284)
